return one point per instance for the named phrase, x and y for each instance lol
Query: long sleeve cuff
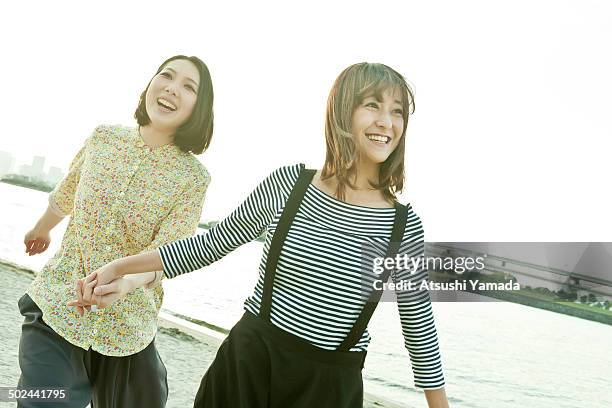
(429, 379)
(172, 262)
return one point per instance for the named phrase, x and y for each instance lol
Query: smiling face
(172, 94)
(377, 125)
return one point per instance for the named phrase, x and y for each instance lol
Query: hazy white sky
(509, 141)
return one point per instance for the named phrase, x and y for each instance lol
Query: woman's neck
(155, 137)
(362, 192)
(364, 174)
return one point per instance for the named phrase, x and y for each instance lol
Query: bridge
(537, 275)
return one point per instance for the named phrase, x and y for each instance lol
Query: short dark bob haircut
(195, 134)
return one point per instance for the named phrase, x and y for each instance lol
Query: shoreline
(526, 297)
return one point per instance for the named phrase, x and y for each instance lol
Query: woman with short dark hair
(128, 190)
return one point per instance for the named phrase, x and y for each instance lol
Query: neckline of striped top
(338, 215)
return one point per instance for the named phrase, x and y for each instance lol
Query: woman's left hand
(101, 276)
(103, 296)
(104, 275)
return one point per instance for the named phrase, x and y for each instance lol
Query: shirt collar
(166, 149)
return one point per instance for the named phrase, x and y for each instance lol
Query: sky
(510, 140)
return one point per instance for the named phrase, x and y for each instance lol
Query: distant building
(33, 173)
(55, 175)
(25, 170)
(7, 162)
(37, 168)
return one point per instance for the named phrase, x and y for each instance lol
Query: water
(495, 354)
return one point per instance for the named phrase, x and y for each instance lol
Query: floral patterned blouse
(123, 198)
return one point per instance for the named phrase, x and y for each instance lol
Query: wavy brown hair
(195, 134)
(353, 85)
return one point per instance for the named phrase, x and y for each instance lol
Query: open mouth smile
(379, 139)
(166, 105)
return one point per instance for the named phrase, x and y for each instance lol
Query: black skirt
(261, 366)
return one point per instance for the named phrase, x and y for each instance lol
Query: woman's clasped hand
(100, 288)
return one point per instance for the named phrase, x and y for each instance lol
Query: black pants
(261, 366)
(48, 361)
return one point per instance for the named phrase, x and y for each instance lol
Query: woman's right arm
(37, 240)
(61, 203)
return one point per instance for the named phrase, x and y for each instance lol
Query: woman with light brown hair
(303, 337)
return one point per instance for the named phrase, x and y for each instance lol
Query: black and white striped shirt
(317, 288)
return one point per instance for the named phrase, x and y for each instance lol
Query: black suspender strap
(291, 208)
(397, 234)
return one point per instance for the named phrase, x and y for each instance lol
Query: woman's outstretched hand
(88, 294)
(100, 288)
